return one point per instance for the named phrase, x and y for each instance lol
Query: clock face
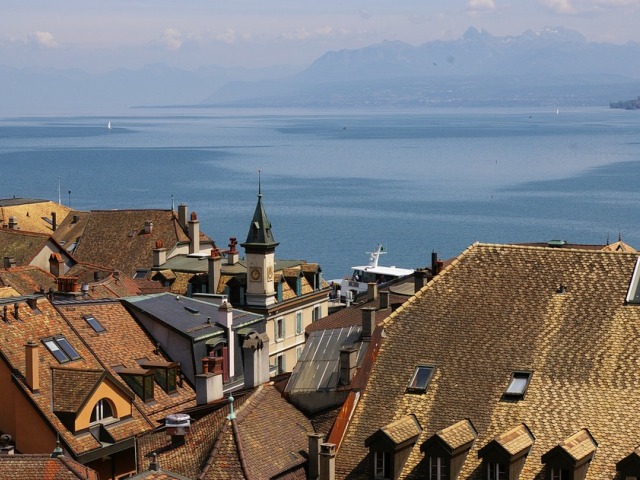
(255, 274)
(270, 273)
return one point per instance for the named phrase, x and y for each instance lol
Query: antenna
(259, 184)
(172, 203)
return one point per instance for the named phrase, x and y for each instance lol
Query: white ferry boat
(350, 288)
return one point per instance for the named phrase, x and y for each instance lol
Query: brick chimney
(327, 461)
(32, 365)
(182, 215)
(232, 253)
(194, 233)
(159, 254)
(348, 364)
(368, 322)
(255, 351)
(208, 387)
(148, 227)
(314, 455)
(419, 279)
(224, 317)
(214, 269)
(54, 221)
(384, 300)
(372, 291)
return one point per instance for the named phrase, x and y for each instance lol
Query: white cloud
(481, 5)
(228, 36)
(583, 6)
(42, 40)
(172, 39)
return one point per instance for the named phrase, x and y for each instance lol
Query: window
(518, 384)
(298, 353)
(164, 373)
(61, 349)
(298, 323)
(279, 329)
(381, 464)
(140, 381)
(316, 314)
(102, 411)
(141, 273)
(281, 364)
(559, 474)
(438, 468)
(420, 379)
(95, 324)
(496, 471)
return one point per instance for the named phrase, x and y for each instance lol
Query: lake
(336, 183)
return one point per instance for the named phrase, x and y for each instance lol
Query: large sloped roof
(495, 310)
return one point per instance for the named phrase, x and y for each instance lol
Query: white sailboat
(109, 125)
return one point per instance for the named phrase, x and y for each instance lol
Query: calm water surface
(337, 183)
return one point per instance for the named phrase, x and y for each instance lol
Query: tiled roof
(21, 467)
(39, 323)
(31, 213)
(116, 238)
(22, 246)
(27, 280)
(579, 445)
(516, 440)
(458, 434)
(402, 430)
(495, 310)
(120, 346)
(72, 386)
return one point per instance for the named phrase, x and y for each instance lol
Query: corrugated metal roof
(318, 368)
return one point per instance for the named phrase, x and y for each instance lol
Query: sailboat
(109, 125)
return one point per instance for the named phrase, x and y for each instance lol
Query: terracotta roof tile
(27, 280)
(71, 387)
(458, 434)
(20, 467)
(22, 246)
(32, 215)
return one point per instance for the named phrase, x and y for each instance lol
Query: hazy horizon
(101, 36)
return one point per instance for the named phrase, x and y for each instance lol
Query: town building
(32, 214)
(514, 362)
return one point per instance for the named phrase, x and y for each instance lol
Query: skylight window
(420, 379)
(61, 349)
(633, 294)
(95, 324)
(518, 384)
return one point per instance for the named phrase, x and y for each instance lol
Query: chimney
(348, 360)
(194, 233)
(13, 223)
(314, 455)
(384, 300)
(55, 259)
(368, 323)
(75, 219)
(372, 291)
(214, 268)
(159, 254)
(33, 303)
(9, 262)
(182, 215)
(177, 426)
(419, 279)
(32, 366)
(148, 227)
(232, 254)
(154, 465)
(208, 387)
(327, 461)
(16, 311)
(5, 315)
(225, 318)
(54, 221)
(255, 351)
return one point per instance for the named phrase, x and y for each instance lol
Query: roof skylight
(420, 379)
(518, 384)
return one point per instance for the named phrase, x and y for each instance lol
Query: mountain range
(553, 66)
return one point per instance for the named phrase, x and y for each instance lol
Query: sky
(100, 35)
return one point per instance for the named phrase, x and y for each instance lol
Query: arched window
(102, 411)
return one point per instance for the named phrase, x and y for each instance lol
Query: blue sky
(101, 35)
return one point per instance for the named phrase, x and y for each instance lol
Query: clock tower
(260, 249)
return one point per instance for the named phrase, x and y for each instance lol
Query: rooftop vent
(177, 426)
(557, 243)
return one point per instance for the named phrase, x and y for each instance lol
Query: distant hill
(551, 66)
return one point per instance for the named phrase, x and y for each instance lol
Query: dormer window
(447, 449)
(518, 384)
(504, 457)
(570, 459)
(102, 411)
(140, 380)
(165, 374)
(61, 349)
(93, 323)
(390, 447)
(420, 379)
